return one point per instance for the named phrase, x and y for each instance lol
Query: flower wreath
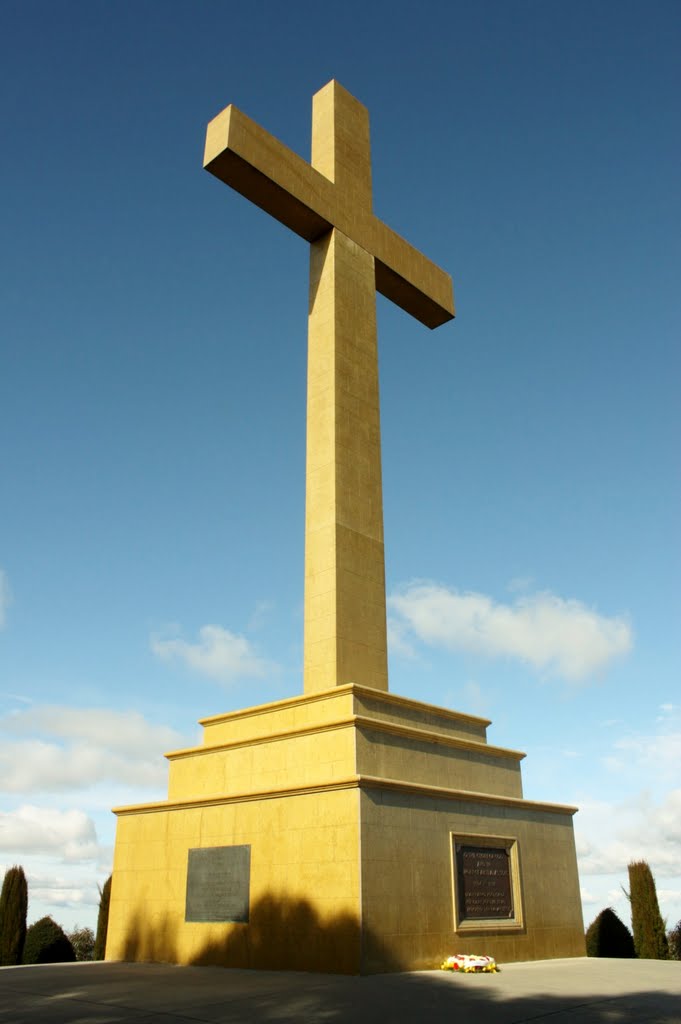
(469, 964)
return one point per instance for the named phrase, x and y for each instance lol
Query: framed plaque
(218, 884)
(486, 883)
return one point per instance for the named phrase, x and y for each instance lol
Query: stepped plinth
(348, 805)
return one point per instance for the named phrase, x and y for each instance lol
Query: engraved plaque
(218, 883)
(483, 882)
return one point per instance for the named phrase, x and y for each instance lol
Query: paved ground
(556, 991)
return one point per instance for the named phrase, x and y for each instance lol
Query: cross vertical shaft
(353, 254)
(345, 611)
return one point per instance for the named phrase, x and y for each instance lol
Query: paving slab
(588, 991)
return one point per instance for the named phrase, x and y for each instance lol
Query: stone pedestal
(352, 831)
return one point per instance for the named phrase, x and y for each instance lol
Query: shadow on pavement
(161, 994)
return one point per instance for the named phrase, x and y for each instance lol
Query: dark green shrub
(83, 942)
(46, 943)
(674, 942)
(13, 908)
(102, 921)
(650, 939)
(608, 936)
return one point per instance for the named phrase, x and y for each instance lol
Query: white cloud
(127, 732)
(75, 748)
(659, 756)
(60, 893)
(610, 836)
(550, 633)
(70, 834)
(261, 614)
(397, 642)
(655, 755)
(668, 895)
(218, 654)
(36, 766)
(519, 583)
(60, 890)
(646, 825)
(5, 597)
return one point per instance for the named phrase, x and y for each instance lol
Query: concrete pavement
(588, 991)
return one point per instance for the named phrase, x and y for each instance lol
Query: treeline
(608, 936)
(45, 942)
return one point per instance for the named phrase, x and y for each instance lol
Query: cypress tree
(608, 936)
(102, 921)
(13, 909)
(650, 939)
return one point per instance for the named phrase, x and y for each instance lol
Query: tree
(46, 943)
(674, 942)
(102, 921)
(13, 909)
(608, 936)
(650, 939)
(83, 942)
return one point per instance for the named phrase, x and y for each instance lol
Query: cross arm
(254, 163)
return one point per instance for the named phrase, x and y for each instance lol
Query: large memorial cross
(352, 254)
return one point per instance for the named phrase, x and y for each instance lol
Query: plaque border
(496, 924)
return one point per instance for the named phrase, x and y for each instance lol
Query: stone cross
(352, 254)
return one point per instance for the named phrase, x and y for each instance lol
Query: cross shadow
(282, 934)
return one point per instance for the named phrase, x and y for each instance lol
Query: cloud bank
(58, 891)
(639, 829)
(53, 748)
(70, 834)
(552, 634)
(657, 755)
(646, 825)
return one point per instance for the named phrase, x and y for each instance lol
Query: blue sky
(152, 402)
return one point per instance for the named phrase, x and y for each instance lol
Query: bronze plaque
(218, 884)
(483, 882)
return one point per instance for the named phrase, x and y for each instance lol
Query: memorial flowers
(470, 963)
